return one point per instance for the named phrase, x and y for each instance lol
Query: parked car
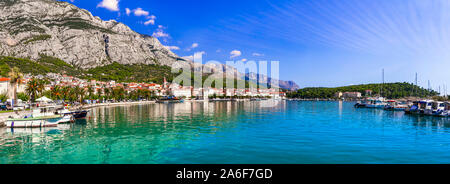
(3, 107)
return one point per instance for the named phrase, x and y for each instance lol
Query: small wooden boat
(169, 99)
(79, 114)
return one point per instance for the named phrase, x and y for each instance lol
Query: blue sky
(318, 42)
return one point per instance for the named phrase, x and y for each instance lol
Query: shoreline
(4, 116)
(91, 106)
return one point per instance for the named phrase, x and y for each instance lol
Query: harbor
(226, 132)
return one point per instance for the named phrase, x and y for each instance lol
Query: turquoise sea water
(234, 132)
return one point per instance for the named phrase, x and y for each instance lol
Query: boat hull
(80, 114)
(67, 118)
(169, 101)
(32, 123)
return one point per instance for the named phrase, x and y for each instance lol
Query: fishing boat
(440, 109)
(420, 107)
(169, 99)
(446, 112)
(40, 117)
(393, 105)
(379, 102)
(376, 103)
(78, 114)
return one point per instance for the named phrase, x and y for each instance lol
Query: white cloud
(257, 54)
(172, 47)
(112, 5)
(151, 21)
(128, 11)
(159, 33)
(235, 53)
(193, 46)
(140, 12)
(244, 60)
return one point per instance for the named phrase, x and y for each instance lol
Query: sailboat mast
(382, 84)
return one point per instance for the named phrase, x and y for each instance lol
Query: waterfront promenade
(4, 116)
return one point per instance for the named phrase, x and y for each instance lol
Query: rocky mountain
(29, 28)
(35, 28)
(289, 85)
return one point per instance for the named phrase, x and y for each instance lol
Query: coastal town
(101, 88)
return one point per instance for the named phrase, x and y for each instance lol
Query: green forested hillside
(114, 71)
(131, 73)
(389, 90)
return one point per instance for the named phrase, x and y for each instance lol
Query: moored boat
(420, 107)
(442, 109)
(169, 99)
(78, 114)
(393, 105)
(378, 103)
(33, 122)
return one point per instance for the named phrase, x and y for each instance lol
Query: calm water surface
(234, 132)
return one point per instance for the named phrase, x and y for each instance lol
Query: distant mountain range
(289, 85)
(32, 28)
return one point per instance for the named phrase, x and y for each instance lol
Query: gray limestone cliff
(32, 27)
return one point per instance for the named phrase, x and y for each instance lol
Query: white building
(4, 85)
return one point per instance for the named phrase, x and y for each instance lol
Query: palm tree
(57, 93)
(90, 91)
(15, 77)
(106, 92)
(34, 88)
(79, 93)
(66, 93)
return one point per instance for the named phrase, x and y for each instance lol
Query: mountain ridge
(32, 28)
(64, 31)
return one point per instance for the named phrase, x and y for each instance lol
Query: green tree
(15, 77)
(3, 97)
(57, 93)
(34, 88)
(23, 97)
(90, 91)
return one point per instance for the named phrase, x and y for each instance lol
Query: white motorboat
(379, 102)
(41, 117)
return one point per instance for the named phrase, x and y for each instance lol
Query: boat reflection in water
(60, 127)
